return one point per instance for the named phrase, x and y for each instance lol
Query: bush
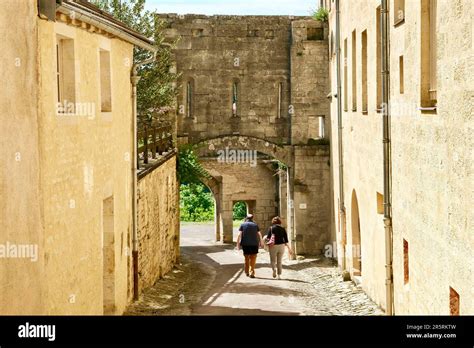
(240, 211)
(321, 14)
(196, 203)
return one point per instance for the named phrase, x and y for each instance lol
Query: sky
(234, 7)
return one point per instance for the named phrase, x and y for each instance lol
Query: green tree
(196, 203)
(239, 211)
(190, 169)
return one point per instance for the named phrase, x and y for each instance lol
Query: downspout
(342, 209)
(290, 171)
(386, 158)
(291, 211)
(134, 80)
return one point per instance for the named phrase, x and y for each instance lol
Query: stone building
(258, 84)
(430, 65)
(67, 175)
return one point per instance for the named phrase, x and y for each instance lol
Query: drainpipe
(387, 158)
(290, 174)
(134, 80)
(342, 209)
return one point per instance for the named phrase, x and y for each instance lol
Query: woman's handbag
(271, 242)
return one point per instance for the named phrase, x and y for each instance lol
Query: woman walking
(250, 240)
(277, 240)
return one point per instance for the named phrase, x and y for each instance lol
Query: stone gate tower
(258, 85)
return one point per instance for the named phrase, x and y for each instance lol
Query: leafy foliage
(321, 14)
(239, 211)
(190, 170)
(196, 203)
(155, 91)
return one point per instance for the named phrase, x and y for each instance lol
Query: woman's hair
(276, 220)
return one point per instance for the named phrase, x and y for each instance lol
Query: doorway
(108, 255)
(356, 240)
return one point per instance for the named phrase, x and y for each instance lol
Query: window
(235, 99)
(428, 54)
(433, 50)
(453, 302)
(364, 73)
(402, 75)
(189, 98)
(65, 74)
(332, 51)
(280, 95)
(198, 32)
(399, 12)
(321, 127)
(252, 33)
(379, 203)
(105, 83)
(345, 75)
(406, 269)
(314, 34)
(58, 72)
(354, 71)
(378, 63)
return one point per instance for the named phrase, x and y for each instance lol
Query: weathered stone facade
(158, 222)
(256, 186)
(431, 154)
(258, 83)
(67, 174)
(312, 198)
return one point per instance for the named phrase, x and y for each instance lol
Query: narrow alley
(209, 280)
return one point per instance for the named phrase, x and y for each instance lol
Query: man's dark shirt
(249, 233)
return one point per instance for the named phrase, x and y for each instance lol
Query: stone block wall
(158, 223)
(312, 202)
(241, 182)
(309, 79)
(255, 52)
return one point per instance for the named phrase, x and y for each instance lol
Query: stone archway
(214, 184)
(356, 247)
(210, 146)
(241, 182)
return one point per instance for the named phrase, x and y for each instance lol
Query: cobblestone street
(210, 281)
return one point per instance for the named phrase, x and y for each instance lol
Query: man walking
(249, 239)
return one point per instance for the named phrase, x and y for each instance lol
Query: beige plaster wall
(84, 159)
(20, 214)
(431, 158)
